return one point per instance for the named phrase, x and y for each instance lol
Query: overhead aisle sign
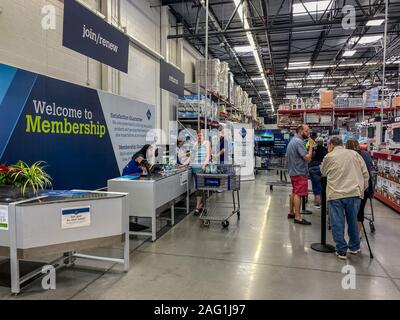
(172, 79)
(90, 35)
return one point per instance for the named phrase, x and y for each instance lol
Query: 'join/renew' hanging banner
(89, 34)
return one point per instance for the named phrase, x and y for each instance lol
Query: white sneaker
(341, 255)
(355, 252)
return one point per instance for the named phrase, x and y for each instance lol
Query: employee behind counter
(141, 162)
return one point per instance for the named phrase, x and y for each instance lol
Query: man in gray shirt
(297, 158)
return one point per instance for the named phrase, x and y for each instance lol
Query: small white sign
(3, 217)
(75, 217)
(184, 178)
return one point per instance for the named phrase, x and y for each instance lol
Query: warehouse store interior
(199, 149)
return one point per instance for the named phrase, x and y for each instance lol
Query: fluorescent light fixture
(242, 14)
(393, 60)
(326, 66)
(243, 49)
(349, 53)
(300, 63)
(293, 85)
(313, 7)
(374, 23)
(365, 39)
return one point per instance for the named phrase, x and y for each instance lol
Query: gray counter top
(51, 197)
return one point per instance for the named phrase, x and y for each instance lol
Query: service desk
(149, 196)
(62, 224)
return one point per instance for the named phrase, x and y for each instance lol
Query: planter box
(12, 194)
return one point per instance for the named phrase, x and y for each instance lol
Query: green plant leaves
(32, 177)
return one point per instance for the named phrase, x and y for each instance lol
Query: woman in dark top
(139, 161)
(314, 171)
(353, 144)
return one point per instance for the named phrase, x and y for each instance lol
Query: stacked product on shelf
(312, 118)
(237, 95)
(388, 181)
(190, 105)
(396, 102)
(213, 83)
(370, 98)
(231, 86)
(311, 103)
(244, 102)
(344, 102)
(341, 102)
(223, 80)
(355, 102)
(284, 106)
(254, 112)
(326, 120)
(325, 98)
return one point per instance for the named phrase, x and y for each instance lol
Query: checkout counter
(150, 195)
(62, 223)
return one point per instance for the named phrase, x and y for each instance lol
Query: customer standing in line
(352, 144)
(297, 158)
(347, 179)
(314, 170)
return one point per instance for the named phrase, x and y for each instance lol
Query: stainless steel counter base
(36, 229)
(150, 196)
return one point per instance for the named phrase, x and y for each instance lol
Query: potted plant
(22, 180)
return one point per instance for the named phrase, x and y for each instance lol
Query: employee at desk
(140, 161)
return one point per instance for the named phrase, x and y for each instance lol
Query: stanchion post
(322, 246)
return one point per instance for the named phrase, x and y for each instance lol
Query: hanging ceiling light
(349, 53)
(374, 23)
(252, 42)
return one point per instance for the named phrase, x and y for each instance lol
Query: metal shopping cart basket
(278, 163)
(221, 179)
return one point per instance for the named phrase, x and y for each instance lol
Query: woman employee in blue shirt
(139, 161)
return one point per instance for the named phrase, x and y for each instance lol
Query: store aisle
(264, 256)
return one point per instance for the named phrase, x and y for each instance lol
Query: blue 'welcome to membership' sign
(87, 33)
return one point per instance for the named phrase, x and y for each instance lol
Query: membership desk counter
(151, 195)
(62, 223)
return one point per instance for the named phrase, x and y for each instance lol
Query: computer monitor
(161, 153)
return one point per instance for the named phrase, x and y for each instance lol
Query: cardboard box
(326, 99)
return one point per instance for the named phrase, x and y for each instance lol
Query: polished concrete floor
(264, 256)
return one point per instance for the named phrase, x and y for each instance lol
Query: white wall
(26, 45)
(143, 23)
(23, 43)
(190, 55)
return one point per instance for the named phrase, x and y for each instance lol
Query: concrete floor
(265, 256)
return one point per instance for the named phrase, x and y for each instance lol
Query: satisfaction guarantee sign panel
(75, 217)
(89, 34)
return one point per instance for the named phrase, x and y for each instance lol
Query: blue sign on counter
(89, 34)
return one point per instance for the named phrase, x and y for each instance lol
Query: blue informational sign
(280, 143)
(89, 34)
(171, 79)
(85, 136)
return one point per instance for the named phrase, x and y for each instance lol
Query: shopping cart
(278, 163)
(215, 180)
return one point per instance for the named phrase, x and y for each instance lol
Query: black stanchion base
(326, 248)
(306, 212)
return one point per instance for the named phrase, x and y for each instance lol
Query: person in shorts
(297, 158)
